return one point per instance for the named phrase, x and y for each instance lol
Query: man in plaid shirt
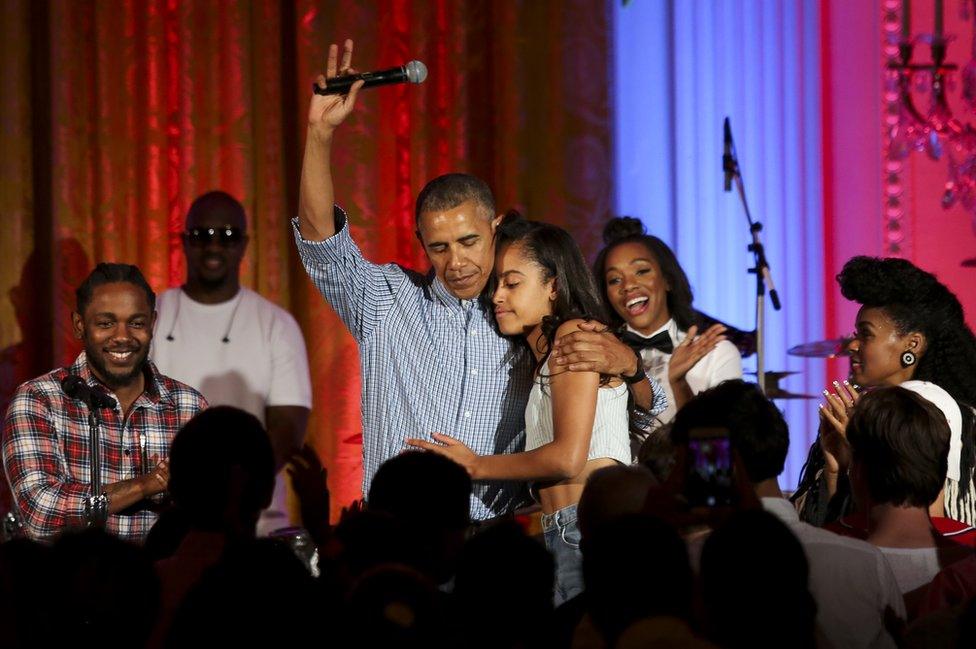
(46, 450)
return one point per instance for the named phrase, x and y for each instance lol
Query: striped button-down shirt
(429, 362)
(46, 451)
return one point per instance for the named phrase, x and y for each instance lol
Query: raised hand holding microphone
(325, 114)
(412, 72)
(327, 111)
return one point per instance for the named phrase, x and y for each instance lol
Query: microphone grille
(73, 385)
(416, 71)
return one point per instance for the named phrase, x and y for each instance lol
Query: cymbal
(776, 376)
(821, 348)
(745, 341)
(778, 393)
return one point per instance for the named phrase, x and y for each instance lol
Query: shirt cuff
(659, 400)
(330, 251)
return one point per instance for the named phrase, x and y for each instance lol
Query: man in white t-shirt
(858, 600)
(228, 342)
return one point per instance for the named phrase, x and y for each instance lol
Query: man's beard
(111, 380)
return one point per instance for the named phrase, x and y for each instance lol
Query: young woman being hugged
(575, 422)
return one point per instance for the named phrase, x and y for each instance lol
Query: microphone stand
(730, 165)
(96, 503)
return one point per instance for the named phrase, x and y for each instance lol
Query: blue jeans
(562, 538)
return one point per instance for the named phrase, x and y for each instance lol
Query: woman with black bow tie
(648, 295)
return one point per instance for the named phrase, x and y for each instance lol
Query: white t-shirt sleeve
(890, 592)
(291, 384)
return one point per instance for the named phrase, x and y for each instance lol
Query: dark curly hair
(555, 251)
(626, 229)
(916, 301)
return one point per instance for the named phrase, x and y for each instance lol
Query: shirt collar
(446, 298)
(670, 326)
(154, 392)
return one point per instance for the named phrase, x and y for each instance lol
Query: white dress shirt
(721, 364)
(852, 583)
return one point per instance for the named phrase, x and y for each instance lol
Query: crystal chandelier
(934, 129)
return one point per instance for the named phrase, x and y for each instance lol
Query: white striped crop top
(611, 430)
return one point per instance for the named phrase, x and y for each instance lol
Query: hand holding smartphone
(709, 478)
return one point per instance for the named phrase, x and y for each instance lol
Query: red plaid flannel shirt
(46, 448)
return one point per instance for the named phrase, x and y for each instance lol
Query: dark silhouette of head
(111, 586)
(372, 538)
(258, 594)
(612, 492)
(754, 585)
(635, 567)
(492, 562)
(394, 606)
(27, 572)
(900, 446)
(757, 429)
(430, 496)
(657, 453)
(222, 470)
(422, 487)
(166, 534)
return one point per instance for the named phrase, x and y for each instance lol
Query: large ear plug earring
(908, 359)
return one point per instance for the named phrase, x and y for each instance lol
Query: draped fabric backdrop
(116, 114)
(804, 85)
(757, 63)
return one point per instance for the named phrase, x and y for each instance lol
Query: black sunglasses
(225, 236)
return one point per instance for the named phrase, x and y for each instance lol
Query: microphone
(76, 388)
(412, 72)
(728, 162)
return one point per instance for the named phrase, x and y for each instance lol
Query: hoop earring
(908, 359)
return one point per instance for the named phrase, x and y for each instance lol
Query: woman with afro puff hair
(909, 331)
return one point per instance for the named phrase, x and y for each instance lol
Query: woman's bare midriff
(555, 496)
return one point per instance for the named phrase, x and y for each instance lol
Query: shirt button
(467, 413)
(473, 333)
(127, 451)
(474, 372)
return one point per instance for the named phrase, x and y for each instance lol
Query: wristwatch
(96, 509)
(639, 375)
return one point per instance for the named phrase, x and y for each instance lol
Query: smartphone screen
(709, 479)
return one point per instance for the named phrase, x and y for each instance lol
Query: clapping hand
(692, 349)
(834, 415)
(309, 480)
